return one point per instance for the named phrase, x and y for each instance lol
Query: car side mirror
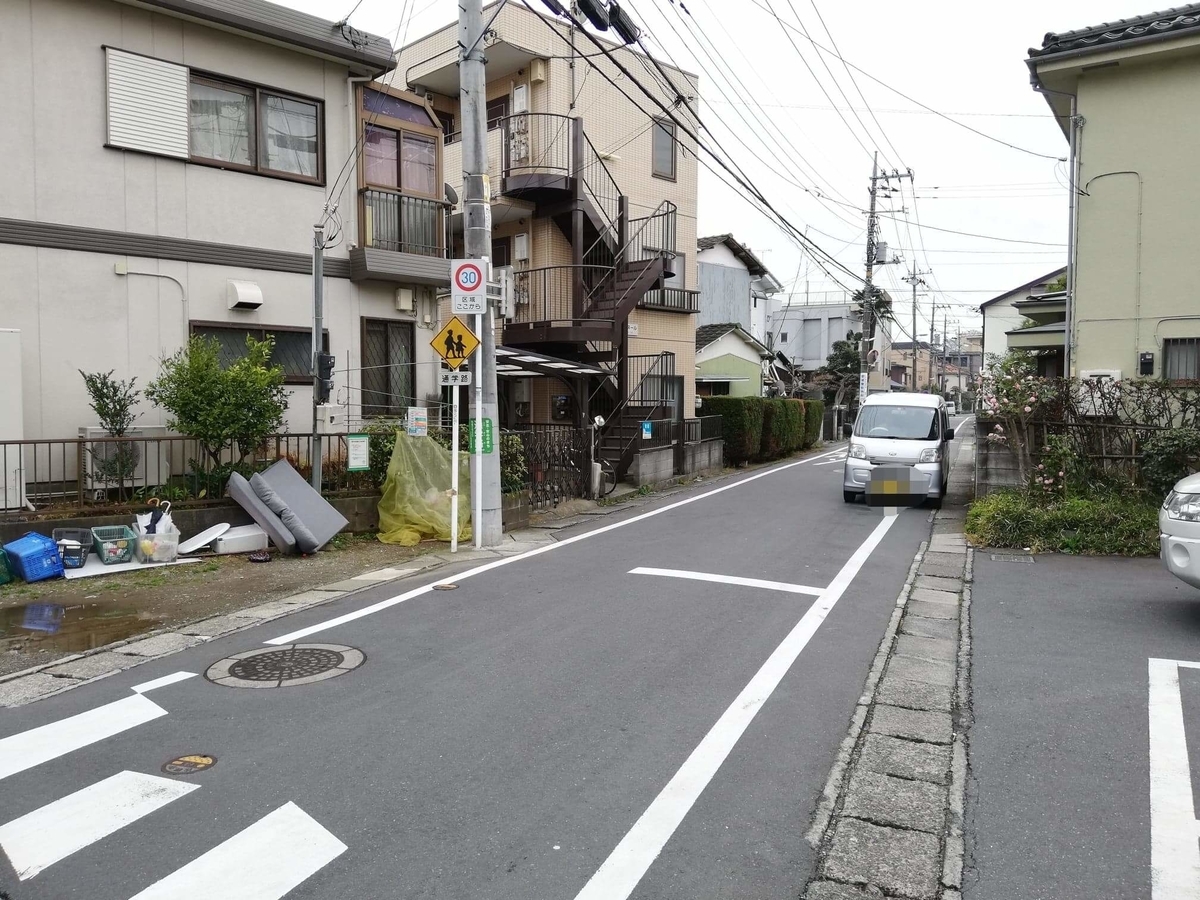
(949, 434)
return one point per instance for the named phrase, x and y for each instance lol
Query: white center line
(1174, 851)
(633, 856)
(53, 832)
(730, 579)
(263, 862)
(293, 636)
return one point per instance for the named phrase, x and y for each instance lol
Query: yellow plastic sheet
(415, 505)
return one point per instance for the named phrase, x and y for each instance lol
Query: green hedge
(774, 430)
(741, 424)
(814, 418)
(794, 433)
(1110, 524)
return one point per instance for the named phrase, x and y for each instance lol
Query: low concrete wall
(995, 465)
(654, 466)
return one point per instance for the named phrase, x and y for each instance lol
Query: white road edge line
(730, 579)
(154, 685)
(617, 878)
(264, 861)
(53, 832)
(1174, 852)
(293, 636)
(27, 749)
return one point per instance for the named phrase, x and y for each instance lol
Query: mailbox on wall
(562, 408)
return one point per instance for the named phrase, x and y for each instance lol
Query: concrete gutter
(890, 820)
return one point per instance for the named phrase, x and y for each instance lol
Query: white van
(899, 430)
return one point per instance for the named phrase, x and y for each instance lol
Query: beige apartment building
(593, 217)
(1124, 93)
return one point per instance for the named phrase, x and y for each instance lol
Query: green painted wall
(730, 366)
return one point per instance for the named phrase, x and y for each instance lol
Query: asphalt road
(1059, 800)
(501, 739)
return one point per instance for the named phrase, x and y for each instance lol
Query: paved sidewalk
(890, 823)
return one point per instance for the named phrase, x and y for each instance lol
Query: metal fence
(403, 224)
(98, 472)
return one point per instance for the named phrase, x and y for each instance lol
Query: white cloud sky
(962, 59)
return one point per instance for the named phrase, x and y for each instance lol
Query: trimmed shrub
(814, 419)
(741, 426)
(774, 429)
(1168, 456)
(1108, 524)
(794, 414)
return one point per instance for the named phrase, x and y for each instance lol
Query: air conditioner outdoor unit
(113, 463)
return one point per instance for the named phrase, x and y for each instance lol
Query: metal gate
(557, 458)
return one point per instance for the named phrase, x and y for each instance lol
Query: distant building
(735, 286)
(1006, 319)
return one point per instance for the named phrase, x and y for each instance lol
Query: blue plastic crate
(34, 557)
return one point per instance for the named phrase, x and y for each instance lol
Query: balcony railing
(672, 300)
(547, 294)
(403, 224)
(537, 144)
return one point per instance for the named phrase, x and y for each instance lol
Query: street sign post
(454, 343)
(454, 454)
(468, 286)
(454, 379)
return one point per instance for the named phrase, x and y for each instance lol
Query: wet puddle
(68, 629)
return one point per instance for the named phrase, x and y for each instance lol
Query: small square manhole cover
(1012, 558)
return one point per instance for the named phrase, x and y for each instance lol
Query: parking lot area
(1085, 675)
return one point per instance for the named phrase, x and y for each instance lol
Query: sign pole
(454, 475)
(477, 484)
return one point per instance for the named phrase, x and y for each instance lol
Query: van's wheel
(849, 496)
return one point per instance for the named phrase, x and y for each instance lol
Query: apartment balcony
(402, 239)
(670, 299)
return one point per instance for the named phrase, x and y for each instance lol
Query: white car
(951, 408)
(1179, 531)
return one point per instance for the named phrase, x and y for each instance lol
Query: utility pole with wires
(477, 238)
(873, 254)
(914, 278)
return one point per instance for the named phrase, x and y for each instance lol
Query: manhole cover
(1012, 558)
(284, 666)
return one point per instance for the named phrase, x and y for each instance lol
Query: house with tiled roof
(735, 285)
(729, 361)
(1125, 94)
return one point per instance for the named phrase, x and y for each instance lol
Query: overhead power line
(790, 27)
(987, 237)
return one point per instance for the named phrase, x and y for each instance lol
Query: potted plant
(113, 402)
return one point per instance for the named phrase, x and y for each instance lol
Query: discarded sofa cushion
(305, 540)
(241, 491)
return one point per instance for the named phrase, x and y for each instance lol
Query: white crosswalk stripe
(53, 832)
(38, 745)
(263, 862)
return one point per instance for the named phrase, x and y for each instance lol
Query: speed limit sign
(468, 285)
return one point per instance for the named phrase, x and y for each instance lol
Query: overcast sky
(964, 60)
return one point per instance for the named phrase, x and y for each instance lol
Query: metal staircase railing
(651, 239)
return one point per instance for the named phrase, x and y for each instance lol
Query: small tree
(839, 376)
(113, 402)
(230, 408)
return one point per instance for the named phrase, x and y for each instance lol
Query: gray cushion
(305, 539)
(241, 491)
(309, 508)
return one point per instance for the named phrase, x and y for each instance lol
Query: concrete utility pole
(318, 347)
(914, 278)
(477, 233)
(864, 366)
(942, 360)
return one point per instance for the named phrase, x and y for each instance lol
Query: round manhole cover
(284, 666)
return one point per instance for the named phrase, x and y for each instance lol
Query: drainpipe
(1073, 168)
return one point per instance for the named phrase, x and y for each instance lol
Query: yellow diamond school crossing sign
(454, 343)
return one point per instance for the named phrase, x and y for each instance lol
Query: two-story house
(165, 162)
(593, 198)
(735, 285)
(1008, 317)
(1123, 93)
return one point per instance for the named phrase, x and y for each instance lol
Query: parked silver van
(900, 430)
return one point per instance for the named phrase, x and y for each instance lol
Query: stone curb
(889, 823)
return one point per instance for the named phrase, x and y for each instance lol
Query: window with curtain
(246, 127)
(221, 120)
(388, 379)
(418, 164)
(380, 155)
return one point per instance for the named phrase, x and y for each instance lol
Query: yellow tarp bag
(415, 505)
